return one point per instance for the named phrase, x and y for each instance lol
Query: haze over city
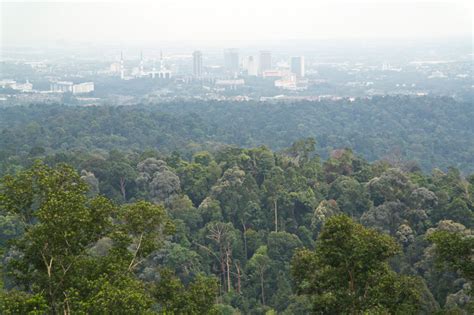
(244, 157)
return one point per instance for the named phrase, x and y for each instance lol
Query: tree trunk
(224, 285)
(352, 290)
(239, 286)
(223, 273)
(275, 208)
(132, 263)
(227, 261)
(245, 241)
(122, 188)
(263, 290)
(49, 268)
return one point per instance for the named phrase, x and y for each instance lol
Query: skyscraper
(231, 60)
(197, 64)
(297, 66)
(265, 61)
(122, 68)
(141, 69)
(251, 66)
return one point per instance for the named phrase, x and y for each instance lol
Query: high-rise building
(251, 66)
(122, 68)
(141, 68)
(231, 60)
(265, 61)
(297, 66)
(197, 64)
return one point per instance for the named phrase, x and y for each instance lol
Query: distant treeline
(434, 132)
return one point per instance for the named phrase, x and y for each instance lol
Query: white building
(83, 88)
(115, 67)
(274, 74)
(61, 86)
(164, 72)
(7, 83)
(292, 82)
(437, 75)
(24, 87)
(69, 87)
(12, 84)
(287, 83)
(229, 84)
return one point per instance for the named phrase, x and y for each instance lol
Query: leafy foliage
(433, 131)
(349, 273)
(244, 230)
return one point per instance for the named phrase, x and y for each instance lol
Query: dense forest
(238, 230)
(434, 132)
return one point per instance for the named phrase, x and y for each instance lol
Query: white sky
(213, 20)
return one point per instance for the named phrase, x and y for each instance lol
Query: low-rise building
(7, 83)
(61, 86)
(24, 87)
(83, 88)
(70, 87)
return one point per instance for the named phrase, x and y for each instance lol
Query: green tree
(141, 226)
(57, 257)
(393, 185)
(158, 179)
(60, 223)
(348, 273)
(351, 196)
(455, 251)
(18, 302)
(274, 190)
(196, 298)
(258, 265)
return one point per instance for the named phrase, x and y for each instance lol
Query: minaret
(141, 64)
(153, 71)
(122, 70)
(162, 66)
(163, 73)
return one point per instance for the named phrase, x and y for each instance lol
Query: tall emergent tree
(348, 273)
(455, 251)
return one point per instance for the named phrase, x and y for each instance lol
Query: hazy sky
(212, 20)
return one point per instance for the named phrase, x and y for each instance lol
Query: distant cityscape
(288, 75)
(233, 74)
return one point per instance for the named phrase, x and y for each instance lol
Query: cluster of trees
(72, 253)
(242, 230)
(433, 131)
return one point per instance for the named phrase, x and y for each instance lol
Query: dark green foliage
(174, 298)
(455, 251)
(433, 131)
(18, 302)
(79, 254)
(349, 273)
(226, 225)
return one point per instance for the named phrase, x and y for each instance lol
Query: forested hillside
(434, 132)
(238, 230)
